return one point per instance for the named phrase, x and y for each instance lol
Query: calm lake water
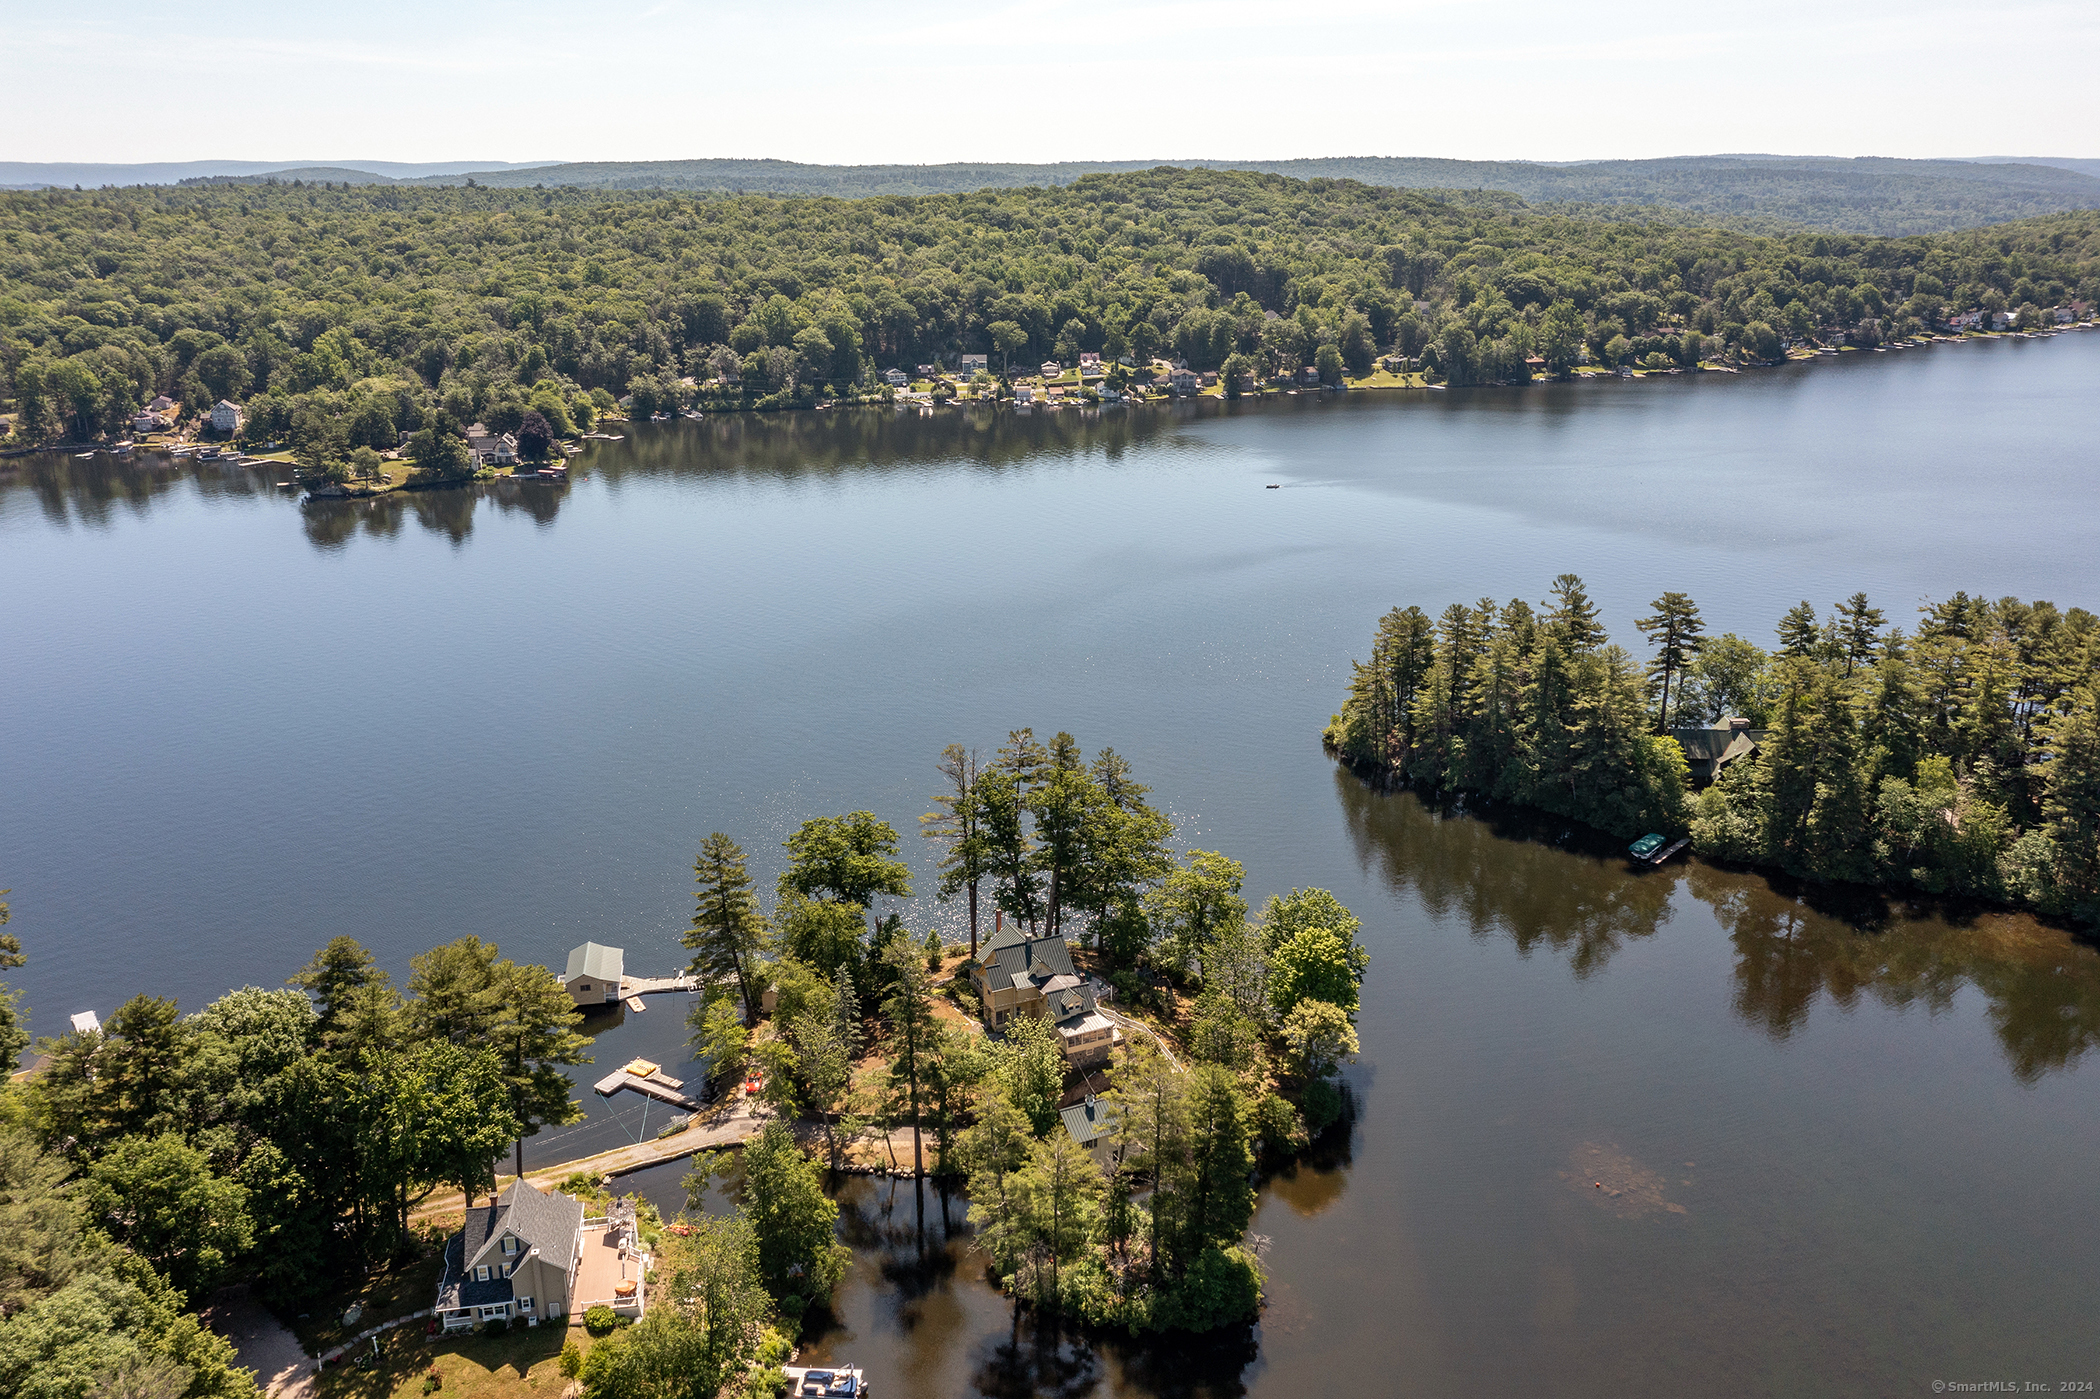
(1852, 1142)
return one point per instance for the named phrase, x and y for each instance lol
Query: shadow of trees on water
(1548, 883)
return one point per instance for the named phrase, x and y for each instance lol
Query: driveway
(264, 1344)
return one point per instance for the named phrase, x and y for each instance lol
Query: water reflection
(1539, 881)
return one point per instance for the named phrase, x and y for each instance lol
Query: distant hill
(305, 174)
(23, 174)
(1761, 193)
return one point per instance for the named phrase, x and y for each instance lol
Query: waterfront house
(1182, 381)
(1707, 750)
(1310, 374)
(595, 974)
(895, 378)
(976, 364)
(1023, 394)
(1016, 974)
(161, 404)
(1051, 369)
(2001, 320)
(927, 371)
(226, 416)
(515, 1258)
(491, 448)
(1092, 1124)
(1089, 363)
(149, 422)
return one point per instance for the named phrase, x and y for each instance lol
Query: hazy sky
(115, 80)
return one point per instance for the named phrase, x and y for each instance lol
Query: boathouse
(595, 974)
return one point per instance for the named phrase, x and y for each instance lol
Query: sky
(875, 82)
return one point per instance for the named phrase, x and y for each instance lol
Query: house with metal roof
(595, 974)
(1020, 974)
(1708, 750)
(515, 1257)
(1091, 1123)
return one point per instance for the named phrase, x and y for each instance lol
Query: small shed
(1092, 1124)
(595, 974)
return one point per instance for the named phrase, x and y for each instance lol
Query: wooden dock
(658, 1085)
(657, 985)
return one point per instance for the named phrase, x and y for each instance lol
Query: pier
(643, 1077)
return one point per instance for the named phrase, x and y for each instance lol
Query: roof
(1090, 1121)
(226, 403)
(591, 959)
(1015, 958)
(1708, 750)
(540, 1219)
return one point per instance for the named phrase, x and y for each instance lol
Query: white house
(895, 378)
(491, 448)
(226, 416)
(976, 364)
(1052, 369)
(1089, 362)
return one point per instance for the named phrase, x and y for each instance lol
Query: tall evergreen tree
(727, 932)
(1676, 632)
(1573, 617)
(957, 825)
(1859, 630)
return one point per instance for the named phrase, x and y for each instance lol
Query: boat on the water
(1653, 848)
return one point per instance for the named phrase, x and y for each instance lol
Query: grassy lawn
(472, 1366)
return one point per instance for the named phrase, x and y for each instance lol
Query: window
(481, 1274)
(510, 1245)
(524, 1306)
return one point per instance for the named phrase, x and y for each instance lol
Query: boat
(842, 1381)
(1655, 848)
(82, 456)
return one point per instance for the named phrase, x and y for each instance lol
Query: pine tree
(1573, 617)
(728, 931)
(1675, 630)
(1859, 630)
(956, 824)
(1798, 631)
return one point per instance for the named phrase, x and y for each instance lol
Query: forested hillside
(355, 312)
(1763, 194)
(1958, 755)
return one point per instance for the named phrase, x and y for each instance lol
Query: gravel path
(282, 1367)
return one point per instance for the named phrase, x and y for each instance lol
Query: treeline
(1153, 1238)
(273, 1135)
(344, 313)
(1962, 757)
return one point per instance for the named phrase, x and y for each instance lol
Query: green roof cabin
(595, 974)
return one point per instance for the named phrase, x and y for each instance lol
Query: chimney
(998, 922)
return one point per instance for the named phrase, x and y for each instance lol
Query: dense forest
(1961, 757)
(1761, 194)
(345, 316)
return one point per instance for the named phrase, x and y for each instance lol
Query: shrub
(1321, 1104)
(1222, 1286)
(571, 1362)
(433, 1381)
(599, 1320)
(495, 1326)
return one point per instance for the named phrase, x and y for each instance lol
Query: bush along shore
(1108, 1064)
(1961, 757)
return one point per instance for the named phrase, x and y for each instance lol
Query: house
(1017, 974)
(149, 422)
(515, 1258)
(1089, 363)
(976, 364)
(226, 416)
(1182, 381)
(2001, 320)
(1092, 1124)
(490, 448)
(595, 974)
(1310, 374)
(927, 371)
(2063, 315)
(1023, 394)
(1207, 379)
(161, 404)
(895, 378)
(1535, 365)
(1708, 750)
(1051, 369)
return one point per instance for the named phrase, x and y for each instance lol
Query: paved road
(738, 1124)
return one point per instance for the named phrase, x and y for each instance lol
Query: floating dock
(641, 1076)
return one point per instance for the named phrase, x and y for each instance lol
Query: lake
(1844, 1144)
